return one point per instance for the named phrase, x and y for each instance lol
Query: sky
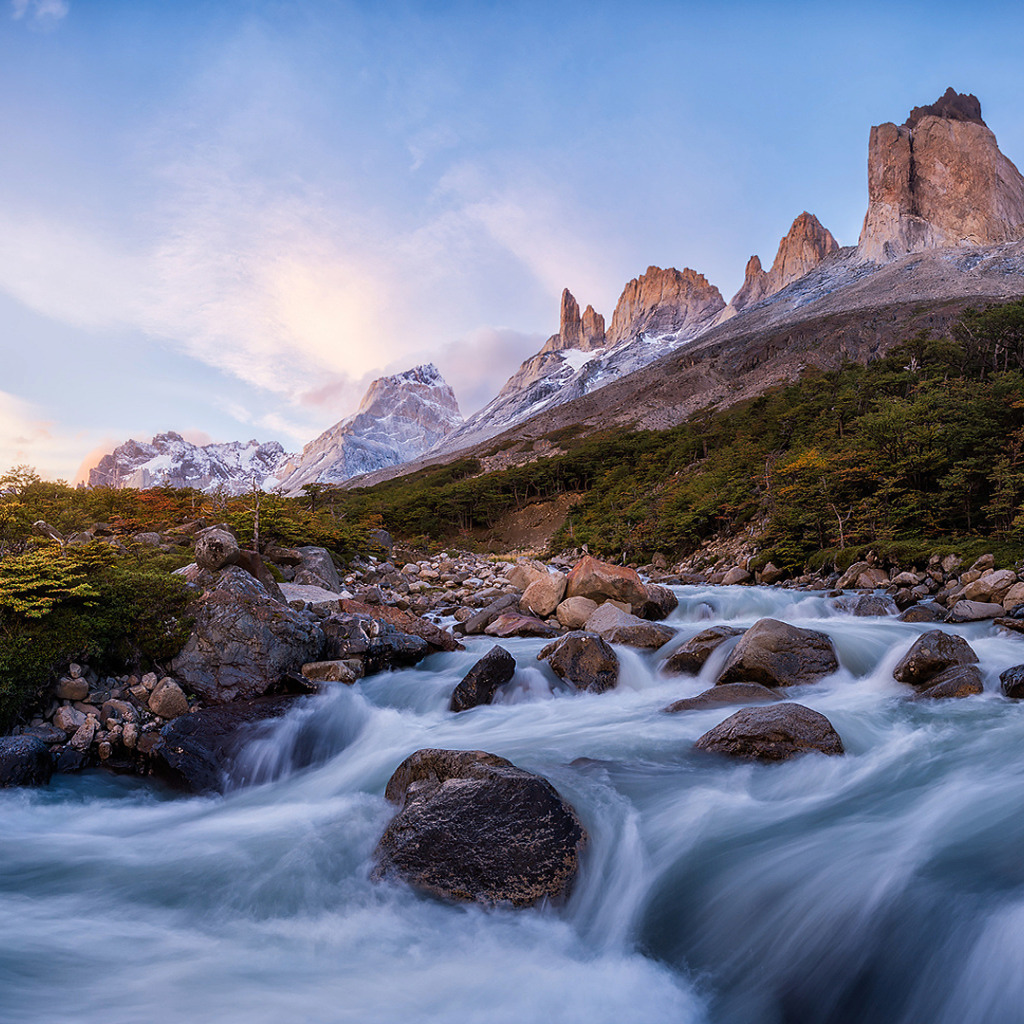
(226, 218)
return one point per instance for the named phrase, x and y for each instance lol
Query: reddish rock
(728, 693)
(599, 581)
(665, 302)
(777, 654)
(408, 622)
(690, 658)
(512, 624)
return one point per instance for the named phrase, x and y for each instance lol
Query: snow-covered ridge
(171, 461)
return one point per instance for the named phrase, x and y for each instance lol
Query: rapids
(883, 886)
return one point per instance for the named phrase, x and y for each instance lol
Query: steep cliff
(661, 302)
(939, 180)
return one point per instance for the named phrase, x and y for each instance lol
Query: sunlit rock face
(400, 417)
(939, 180)
(171, 461)
(806, 244)
(663, 302)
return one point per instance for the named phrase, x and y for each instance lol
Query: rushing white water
(883, 886)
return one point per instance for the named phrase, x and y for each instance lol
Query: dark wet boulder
(926, 611)
(727, 693)
(479, 621)
(775, 653)
(196, 751)
(774, 732)
(253, 564)
(955, 681)
(1011, 682)
(243, 641)
(660, 603)
(479, 685)
(474, 827)
(931, 653)
(378, 645)
(583, 659)
(690, 658)
(24, 761)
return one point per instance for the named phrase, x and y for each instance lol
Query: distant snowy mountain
(171, 461)
(400, 418)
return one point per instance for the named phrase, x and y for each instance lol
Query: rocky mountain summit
(806, 244)
(661, 302)
(400, 417)
(171, 461)
(939, 180)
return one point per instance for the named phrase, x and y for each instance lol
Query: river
(886, 885)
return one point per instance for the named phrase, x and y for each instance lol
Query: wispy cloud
(39, 13)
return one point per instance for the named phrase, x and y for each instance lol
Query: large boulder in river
(601, 581)
(619, 627)
(727, 693)
(775, 653)
(24, 761)
(583, 659)
(474, 827)
(690, 658)
(215, 548)
(243, 642)
(955, 681)
(930, 654)
(775, 732)
(479, 685)
(1011, 682)
(196, 751)
(510, 623)
(660, 603)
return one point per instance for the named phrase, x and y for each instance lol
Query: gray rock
(583, 659)
(479, 685)
(481, 620)
(955, 681)
(474, 827)
(243, 641)
(319, 562)
(932, 653)
(727, 693)
(1011, 682)
(775, 653)
(973, 611)
(927, 611)
(691, 657)
(24, 761)
(215, 548)
(619, 627)
(773, 733)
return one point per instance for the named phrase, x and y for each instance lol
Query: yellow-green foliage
(85, 604)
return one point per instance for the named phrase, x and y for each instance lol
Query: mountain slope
(399, 418)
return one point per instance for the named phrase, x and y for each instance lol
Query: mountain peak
(664, 301)
(803, 247)
(585, 332)
(938, 181)
(951, 105)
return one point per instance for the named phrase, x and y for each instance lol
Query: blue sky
(225, 218)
